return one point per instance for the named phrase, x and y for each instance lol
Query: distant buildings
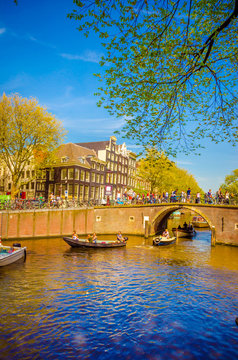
(84, 171)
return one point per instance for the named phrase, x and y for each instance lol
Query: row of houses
(84, 171)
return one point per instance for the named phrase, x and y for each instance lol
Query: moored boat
(11, 254)
(96, 244)
(161, 240)
(199, 222)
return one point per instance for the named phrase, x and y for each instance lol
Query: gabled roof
(74, 153)
(96, 145)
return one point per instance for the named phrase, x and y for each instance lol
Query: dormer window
(64, 159)
(82, 160)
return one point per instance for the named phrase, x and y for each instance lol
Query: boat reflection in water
(136, 302)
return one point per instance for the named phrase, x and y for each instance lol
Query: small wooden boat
(97, 244)
(199, 222)
(161, 240)
(11, 254)
(183, 232)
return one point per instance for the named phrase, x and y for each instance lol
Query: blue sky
(44, 56)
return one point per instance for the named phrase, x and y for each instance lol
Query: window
(76, 172)
(64, 159)
(76, 191)
(32, 186)
(23, 174)
(64, 174)
(92, 192)
(98, 167)
(97, 193)
(87, 176)
(82, 175)
(33, 173)
(102, 168)
(71, 173)
(93, 165)
(28, 173)
(81, 192)
(82, 160)
(43, 174)
(98, 178)
(51, 175)
(93, 177)
(102, 179)
(86, 192)
(70, 190)
(51, 188)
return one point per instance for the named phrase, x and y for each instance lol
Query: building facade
(120, 171)
(82, 171)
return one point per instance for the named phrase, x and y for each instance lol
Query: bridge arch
(161, 217)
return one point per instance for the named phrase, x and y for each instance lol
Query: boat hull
(162, 241)
(200, 224)
(10, 258)
(182, 233)
(99, 243)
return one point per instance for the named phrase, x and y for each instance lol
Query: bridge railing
(20, 204)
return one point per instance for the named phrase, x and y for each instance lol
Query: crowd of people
(184, 196)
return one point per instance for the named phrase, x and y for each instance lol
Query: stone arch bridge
(130, 219)
(148, 219)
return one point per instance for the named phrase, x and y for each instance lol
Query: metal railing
(31, 204)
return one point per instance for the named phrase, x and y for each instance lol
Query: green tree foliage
(164, 175)
(170, 68)
(29, 135)
(231, 183)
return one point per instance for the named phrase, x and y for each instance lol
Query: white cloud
(183, 162)
(2, 31)
(87, 56)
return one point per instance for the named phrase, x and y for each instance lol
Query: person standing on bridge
(188, 194)
(198, 198)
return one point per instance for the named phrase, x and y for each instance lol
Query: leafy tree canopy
(164, 175)
(170, 68)
(231, 183)
(29, 134)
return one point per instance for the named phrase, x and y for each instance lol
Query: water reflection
(138, 302)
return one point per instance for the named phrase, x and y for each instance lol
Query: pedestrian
(198, 198)
(188, 194)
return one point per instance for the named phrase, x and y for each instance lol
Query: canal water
(138, 302)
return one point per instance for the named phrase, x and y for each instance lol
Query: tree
(29, 134)
(153, 168)
(231, 183)
(170, 68)
(164, 175)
